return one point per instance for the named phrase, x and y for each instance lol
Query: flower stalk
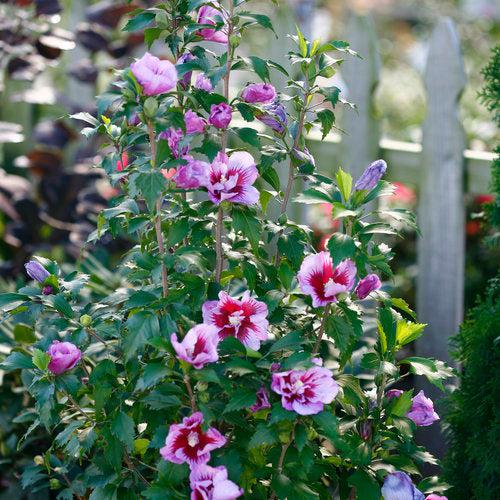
(157, 223)
(219, 228)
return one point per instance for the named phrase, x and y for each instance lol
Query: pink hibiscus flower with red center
(187, 442)
(231, 179)
(305, 392)
(244, 319)
(323, 282)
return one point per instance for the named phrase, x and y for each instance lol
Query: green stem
(321, 330)
(157, 223)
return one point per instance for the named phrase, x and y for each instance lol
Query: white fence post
(360, 144)
(441, 248)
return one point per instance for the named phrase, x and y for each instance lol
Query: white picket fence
(443, 170)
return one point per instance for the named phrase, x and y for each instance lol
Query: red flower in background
(123, 163)
(403, 194)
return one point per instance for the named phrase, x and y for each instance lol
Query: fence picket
(441, 249)
(441, 208)
(360, 145)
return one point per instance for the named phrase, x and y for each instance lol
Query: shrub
(233, 360)
(471, 464)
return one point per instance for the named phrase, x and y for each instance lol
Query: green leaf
(344, 182)
(239, 400)
(249, 226)
(403, 306)
(341, 331)
(248, 135)
(435, 371)
(9, 298)
(260, 67)
(122, 428)
(141, 327)
(313, 196)
(291, 246)
(289, 341)
(387, 324)
(140, 22)
(331, 95)
(151, 34)
(24, 333)
(16, 361)
(260, 19)
(326, 119)
(86, 117)
(63, 306)
(399, 406)
(41, 359)
(153, 373)
(367, 487)
(263, 436)
(407, 332)
(149, 184)
(341, 246)
(178, 231)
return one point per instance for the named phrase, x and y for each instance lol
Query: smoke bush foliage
(233, 360)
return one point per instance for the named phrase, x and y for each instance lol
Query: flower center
(193, 439)
(223, 179)
(298, 384)
(236, 318)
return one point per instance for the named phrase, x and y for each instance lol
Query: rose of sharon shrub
(222, 357)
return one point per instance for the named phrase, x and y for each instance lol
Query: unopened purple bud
(275, 367)
(36, 271)
(134, 120)
(47, 290)
(393, 393)
(365, 430)
(367, 285)
(274, 116)
(220, 115)
(304, 157)
(371, 176)
(185, 80)
(85, 380)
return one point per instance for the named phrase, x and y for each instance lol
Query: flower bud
(204, 397)
(367, 285)
(48, 290)
(63, 356)
(55, 484)
(36, 271)
(365, 430)
(201, 386)
(220, 115)
(85, 320)
(371, 176)
(38, 459)
(234, 40)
